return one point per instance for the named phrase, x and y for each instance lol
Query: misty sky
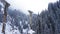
(33, 5)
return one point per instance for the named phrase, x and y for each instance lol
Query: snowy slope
(9, 30)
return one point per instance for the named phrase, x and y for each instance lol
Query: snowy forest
(14, 21)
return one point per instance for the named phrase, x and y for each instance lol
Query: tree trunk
(4, 20)
(5, 17)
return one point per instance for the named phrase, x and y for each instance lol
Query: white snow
(9, 30)
(31, 31)
(1, 28)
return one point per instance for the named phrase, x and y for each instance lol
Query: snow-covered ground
(9, 30)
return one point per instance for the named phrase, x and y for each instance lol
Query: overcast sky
(33, 5)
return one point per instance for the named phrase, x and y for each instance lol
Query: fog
(33, 5)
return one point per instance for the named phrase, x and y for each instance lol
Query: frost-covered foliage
(17, 22)
(49, 20)
(9, 30)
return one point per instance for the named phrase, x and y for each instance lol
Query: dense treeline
(49, 20)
